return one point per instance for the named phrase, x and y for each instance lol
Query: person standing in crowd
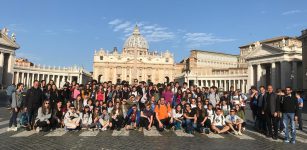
(33, 100)
(44, 120)
(260, 121)
(299, 110)
(9, 91)
(288, 108)
(270, 109)
(168, 95)
(253, 102)
(213, 97)
(163, 114)
(17, 100)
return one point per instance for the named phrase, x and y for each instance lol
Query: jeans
(286, 118)
(177, 125)
(190, 125)
(13, 119)
(299, 117)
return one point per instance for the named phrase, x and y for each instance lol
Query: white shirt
(176, 115)
(218, 120)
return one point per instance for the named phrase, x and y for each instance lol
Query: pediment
(264, 51)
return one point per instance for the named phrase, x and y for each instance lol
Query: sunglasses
(46, 103)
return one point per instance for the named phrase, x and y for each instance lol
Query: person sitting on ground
(177, 117)
(44, 120)
(203, 121)
(58, 115)
(146, 119)
(104, 120)
(72, 119)
(133, 118)
(234, 122)
(218, 124)
(96, 116)
(163, 114)
(240, 113)
(190, 119)
(117, 116)
(86, 118)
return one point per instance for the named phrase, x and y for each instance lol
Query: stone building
(134, 63)
(8, 46)
(206, 68)
(26, 72)
(303, 38)
(276, 61)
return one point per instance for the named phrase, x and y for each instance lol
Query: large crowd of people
(142, 106)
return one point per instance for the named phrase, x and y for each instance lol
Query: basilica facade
(134, 63)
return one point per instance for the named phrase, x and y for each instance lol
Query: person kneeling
(132, 118)
(72, 119)
(43, 119)
(234, 122)
(218, 122)
(146, 117)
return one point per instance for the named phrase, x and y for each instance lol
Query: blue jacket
(138, 115)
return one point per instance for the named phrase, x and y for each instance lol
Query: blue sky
(66, 32)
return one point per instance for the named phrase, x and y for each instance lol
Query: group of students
(274, 111)
(104, 106)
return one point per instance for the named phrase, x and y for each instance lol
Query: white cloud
(152, 32)
(196, 40)
(122, 26)
(115, 22)
(290, 12)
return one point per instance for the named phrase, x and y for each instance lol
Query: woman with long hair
(44, 120)
(16, 105)
(54, 96)
(177, 117)
(117, 116)
(203, 121)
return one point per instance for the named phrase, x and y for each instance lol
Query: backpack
(23, 119)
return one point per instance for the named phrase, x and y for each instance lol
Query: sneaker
(9, 129)
(286, 141)
(14, 129)
(37, 129)
(243, 129)
(103, 129)
(293, 142)
(235, 132)
(240, 133)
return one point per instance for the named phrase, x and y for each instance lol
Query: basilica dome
(136, 41)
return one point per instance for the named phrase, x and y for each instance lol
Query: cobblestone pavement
(84, 139)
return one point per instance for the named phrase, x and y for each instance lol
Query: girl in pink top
(168, 95)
